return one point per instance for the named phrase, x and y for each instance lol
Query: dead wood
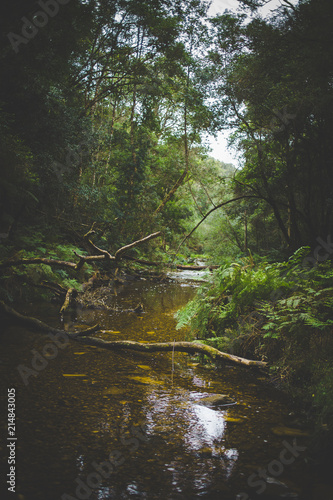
(69, 299)
(187, 347)
(36, 325)
(124, 249)
(77, 266)
(93, 248)
(37, 260)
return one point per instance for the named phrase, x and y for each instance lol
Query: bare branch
(124, 249)
(212, 210)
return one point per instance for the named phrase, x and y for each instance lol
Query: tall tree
(274, 79)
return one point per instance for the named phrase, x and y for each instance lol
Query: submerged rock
(216, 400)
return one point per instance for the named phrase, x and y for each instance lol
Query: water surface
(122, 425)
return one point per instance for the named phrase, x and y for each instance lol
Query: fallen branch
(92, 247)
(39, 326)
(188, 347)
(124, 249)
(70, 296)
(38, 260)
(101, 255)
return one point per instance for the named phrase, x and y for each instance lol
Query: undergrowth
(281, 313)
(25, 282)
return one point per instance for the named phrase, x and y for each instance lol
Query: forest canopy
(105, 106)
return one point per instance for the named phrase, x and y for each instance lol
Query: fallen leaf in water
(288, 431)
(147, 380)
(231, 419)
(113, 390)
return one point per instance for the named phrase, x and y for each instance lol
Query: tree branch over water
(115, 345)
(101, 255)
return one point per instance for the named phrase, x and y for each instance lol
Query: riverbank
(279, 313)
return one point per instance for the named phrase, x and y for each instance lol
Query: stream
(98, 424)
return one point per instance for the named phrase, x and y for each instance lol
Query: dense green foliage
(274, 86)
(281, 313)
(98, 116)
(103, 113)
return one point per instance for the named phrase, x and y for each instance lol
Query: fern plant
(232, 292)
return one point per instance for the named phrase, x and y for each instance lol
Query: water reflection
(207, 427)
(132, 403)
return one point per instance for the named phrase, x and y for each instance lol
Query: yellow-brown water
(121, 425)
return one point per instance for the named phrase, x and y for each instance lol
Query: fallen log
(187, 347)
(77, 266)
(37, 260)
(39, 326)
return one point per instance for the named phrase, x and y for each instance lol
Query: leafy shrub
(20, 281)
(232, 292)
